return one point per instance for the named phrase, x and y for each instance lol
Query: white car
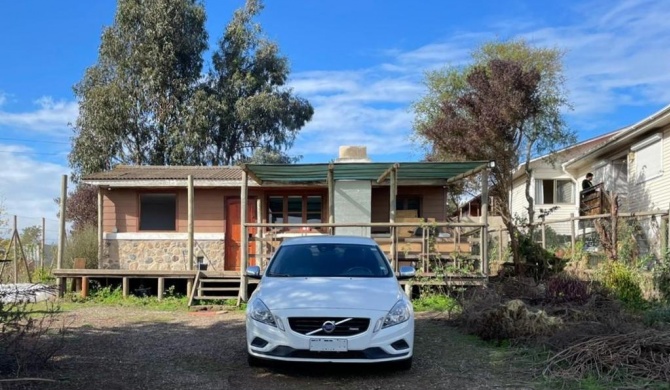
(330, 299)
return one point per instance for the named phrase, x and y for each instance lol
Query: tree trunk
(529, 198)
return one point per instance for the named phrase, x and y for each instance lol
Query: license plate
(328, 345)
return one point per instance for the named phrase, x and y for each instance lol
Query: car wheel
(253, 361)
(403, 365)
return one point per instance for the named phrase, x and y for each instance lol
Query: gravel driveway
(133, 348)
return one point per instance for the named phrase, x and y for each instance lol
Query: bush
(564, 288)
(662, 278)
(659, 316)
(28, 339)
(541, 263)
(83, 243)
(436, 302)
(624, 283)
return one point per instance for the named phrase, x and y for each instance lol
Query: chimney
(353, 154)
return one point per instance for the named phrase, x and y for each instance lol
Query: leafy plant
(624, 283)
(563, 288)
(436, 302)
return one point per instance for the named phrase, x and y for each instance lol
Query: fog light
(400, 345)
(259, 342)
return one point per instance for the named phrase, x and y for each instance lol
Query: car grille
(306, 325)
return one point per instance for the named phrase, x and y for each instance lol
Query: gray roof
(154, 172)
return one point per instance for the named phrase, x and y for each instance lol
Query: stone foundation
(160, 255)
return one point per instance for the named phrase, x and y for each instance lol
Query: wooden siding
(120, 210)
(432, 202)
(654, 193)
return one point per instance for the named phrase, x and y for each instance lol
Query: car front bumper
(388, 344)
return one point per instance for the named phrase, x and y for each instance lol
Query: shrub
(564, 288)
(662, 278)
(28, 339)
(659, 316)
(436, 302)
(83, 243)
(541, 263)
(624, 283)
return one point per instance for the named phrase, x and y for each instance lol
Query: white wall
(353, 204)
(652, 194)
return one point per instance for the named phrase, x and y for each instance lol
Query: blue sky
(359, 62)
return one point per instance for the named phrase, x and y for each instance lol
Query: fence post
(500, 245)
(544, 236)
(572, 234)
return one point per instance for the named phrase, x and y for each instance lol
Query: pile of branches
(643, 354)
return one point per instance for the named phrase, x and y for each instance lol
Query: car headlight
(259, 312)
(400, 313)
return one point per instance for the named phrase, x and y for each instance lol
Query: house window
(409, 203)
(158, 211)
(648, 159)
(554, 191)
(295, 209)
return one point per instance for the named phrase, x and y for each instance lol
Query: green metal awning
(407, 171)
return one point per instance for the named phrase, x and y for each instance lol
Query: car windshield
(328, 260)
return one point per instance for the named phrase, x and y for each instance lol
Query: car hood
(331, 293)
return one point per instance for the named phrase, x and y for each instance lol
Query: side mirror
(406, 272)
(254, 272)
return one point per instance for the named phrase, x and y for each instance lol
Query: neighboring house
(551, 186)
(634, 163)
(145, 220)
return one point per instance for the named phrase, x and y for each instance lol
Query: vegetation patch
(436, 302)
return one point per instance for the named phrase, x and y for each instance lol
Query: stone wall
(160, 255)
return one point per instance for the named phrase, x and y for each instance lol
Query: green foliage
(627, 247)
(43, 276)
(114, 297)
(436, 302)
(133, 100)
(662, 277)
(624, 283)
(539, 262)
(657, 316)
(82, 244)
(564, 288)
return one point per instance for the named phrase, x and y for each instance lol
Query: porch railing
(432, 247)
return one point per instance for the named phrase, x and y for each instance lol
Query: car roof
(328, 239)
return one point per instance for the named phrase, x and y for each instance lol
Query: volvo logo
(328, 327)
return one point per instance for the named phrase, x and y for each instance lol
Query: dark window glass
(158, 211)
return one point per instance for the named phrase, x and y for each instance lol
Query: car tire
(403, 365)
(253, 361)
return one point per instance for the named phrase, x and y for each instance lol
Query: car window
(344, 260)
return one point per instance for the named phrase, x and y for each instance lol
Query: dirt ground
(132, 348)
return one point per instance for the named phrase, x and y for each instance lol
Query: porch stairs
(213, 286)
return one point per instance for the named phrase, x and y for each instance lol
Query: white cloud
(28, 189)
(50, 116)
(3, 98)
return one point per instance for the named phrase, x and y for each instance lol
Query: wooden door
(234, 233)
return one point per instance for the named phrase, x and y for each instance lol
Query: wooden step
(211, 297)
(219, 288)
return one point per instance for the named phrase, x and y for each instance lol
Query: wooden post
(100, 228)
(572, 232)
(61, 230)
(190, 223)
(392, 212)
(500, 245)
(84, 286)
(485, 220)
(544, 235)
(126, 287)
(43, 243)
(331, 198)
(161, 288)
(16, 259)
(245, 238)
(258, 260)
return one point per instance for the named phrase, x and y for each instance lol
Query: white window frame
(644, 148)
(554, 181)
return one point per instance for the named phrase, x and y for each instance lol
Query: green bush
(657, 316)
(436, 302)
(624, 283)
(662, 278)
(540, 263)
(82, 243)
(564, 288)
